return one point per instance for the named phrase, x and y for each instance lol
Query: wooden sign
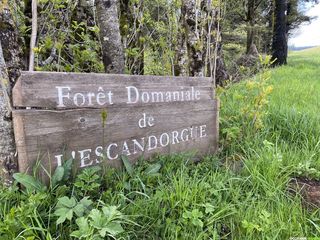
(97, 118)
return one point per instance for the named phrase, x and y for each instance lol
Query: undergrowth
(267, 138)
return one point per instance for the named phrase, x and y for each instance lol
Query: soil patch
(309, 189)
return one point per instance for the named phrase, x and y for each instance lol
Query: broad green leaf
(98, 220)
(103, 232)
(29, 182)
(95, 214)
(57, 176)
(187, 215)
(86, 202)
(66, 202)
(128, 166)
(82, 206)
(209, 208)
(69, 214)
(67, 169)
(79, 210)
(77, 234)
(196, 213)
(65, 209)
(153, 169)
(63, 214)
(111, 212)
(114, 228)
(197, 222)
(61, 219)
(84, 228)
(97, 237)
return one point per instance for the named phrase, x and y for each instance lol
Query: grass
(240, 194)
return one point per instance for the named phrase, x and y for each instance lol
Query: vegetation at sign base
(270, 133)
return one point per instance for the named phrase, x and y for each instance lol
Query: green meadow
(269, 137)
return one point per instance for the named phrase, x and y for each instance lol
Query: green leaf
(103, 222)
(67, 169)
(66, 202)
(84, 229)
(82, 206)
(63, 214)
(57, 176)
(61, 219)
(86, 202)
(98, 220)
(111, 212)
(209, 208)
(197, 222)
(103, 232)
(113, 228)
(187, 215)
(128, 166)
(153, 169)
(79, 210)
(29, 182)
(196, 213)
(65, 208)
(69, 214)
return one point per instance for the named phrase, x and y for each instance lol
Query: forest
(264, 180)
(194, 38)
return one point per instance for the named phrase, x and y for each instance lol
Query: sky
(308, 34)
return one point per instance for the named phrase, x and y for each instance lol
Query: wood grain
(43, 134)
(179, 112)
(39, 89)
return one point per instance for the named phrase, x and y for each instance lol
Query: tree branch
(33, 34)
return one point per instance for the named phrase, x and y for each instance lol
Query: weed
(273, 135)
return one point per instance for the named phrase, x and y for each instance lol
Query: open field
(243, 193)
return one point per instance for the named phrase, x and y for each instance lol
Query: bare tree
(194, 19)
(181, 52)
(112, 49)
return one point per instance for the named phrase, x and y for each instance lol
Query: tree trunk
(194, 19)
(112, 50)
(280, 36)
(201, 29)
(7, 147)
(9, 72)
(181, 52)
(250, 24)
(217, 69)
(267, 36)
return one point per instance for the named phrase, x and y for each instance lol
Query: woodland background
(147, 37)
(263, 183)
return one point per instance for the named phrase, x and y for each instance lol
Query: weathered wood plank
(46, 135)
(52, 90)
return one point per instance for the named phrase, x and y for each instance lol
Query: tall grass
(242, 193)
